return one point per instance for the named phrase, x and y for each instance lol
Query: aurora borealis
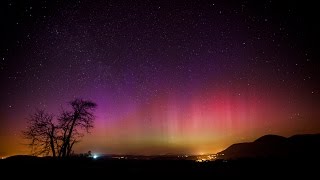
(167, 76)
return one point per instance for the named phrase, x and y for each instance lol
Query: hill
(274, 146)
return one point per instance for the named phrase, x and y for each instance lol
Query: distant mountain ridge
(274, 146)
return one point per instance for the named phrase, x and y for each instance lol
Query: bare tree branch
(41, 132)
(47, 138)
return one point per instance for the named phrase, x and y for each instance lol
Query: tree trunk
(67, 140)
(64, 139)
(52, 140)
(52, 147)
(70, 148)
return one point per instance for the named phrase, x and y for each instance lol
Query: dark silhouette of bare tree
(58, 139)
(74, 122)
(42, 133)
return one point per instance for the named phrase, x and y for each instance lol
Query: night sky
(167, 76)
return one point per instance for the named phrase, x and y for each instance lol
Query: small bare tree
(42, 133)
(58, 140)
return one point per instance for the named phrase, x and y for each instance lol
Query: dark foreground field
(39, 168)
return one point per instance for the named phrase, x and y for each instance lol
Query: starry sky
(167, 76)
